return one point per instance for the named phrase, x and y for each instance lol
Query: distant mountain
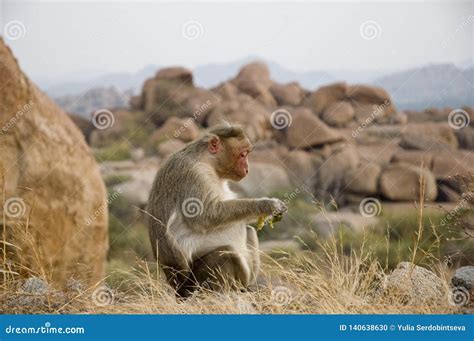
(439, 85)
(207, 76)
(122, 81)
(211, 75)
(84, 104)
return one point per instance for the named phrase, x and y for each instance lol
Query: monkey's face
(232, 158)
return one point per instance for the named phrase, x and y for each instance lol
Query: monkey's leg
(221, 268)
(254, 255)
(181, 280)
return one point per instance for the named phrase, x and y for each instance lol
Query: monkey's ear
(214, 144)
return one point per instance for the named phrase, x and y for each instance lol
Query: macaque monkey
(198, 227)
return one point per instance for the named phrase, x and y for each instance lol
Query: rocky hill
(437, 85)
(433, 85)
(342, 142)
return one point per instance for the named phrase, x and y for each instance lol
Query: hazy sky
(60, 39)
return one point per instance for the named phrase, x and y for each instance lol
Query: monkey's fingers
(277, 217)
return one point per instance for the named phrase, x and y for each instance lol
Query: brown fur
(196, 173)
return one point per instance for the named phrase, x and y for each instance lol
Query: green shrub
(114, 152)
(115, 179)
(398, 238)
(128, 233)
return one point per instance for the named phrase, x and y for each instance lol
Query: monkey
(198, 227)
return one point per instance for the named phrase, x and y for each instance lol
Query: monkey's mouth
(240, 175)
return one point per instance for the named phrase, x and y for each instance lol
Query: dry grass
(329, 281)
(326, 283)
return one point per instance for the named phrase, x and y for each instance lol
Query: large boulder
(380, 154)
(363, 179)
(428, 115)
(182, 129)
(370, 113)
(254, 80)
(255, 72)
(263, 180)
(367, 134)
(302, 167)
(464, 277)
(259, 92)
(52, 185)
(368, 94)
(117, 124)
(338, 114)
(168, 147)
(307, 130)
(84, 125)
(429, 136)
(178, 73)
(364, 113)
(287, 94)
(329, 180)
(465, 137)
(401, 182)
(448, 164)
(171, 92)
(243, 110)
(371, 103)
(269, 151)
(414, 157)
(322, 98)
(227, 91)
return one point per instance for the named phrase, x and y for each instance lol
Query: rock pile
(340, 141)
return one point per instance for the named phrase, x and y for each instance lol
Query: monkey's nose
(246, 171)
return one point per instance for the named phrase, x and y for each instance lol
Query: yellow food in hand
(261, 223)
(270, 220)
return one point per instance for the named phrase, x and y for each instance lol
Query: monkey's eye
(244, 154)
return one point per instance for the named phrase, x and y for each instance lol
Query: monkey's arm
(218, 214)
(213, 212)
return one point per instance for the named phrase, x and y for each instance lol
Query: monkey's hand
(272, 206)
